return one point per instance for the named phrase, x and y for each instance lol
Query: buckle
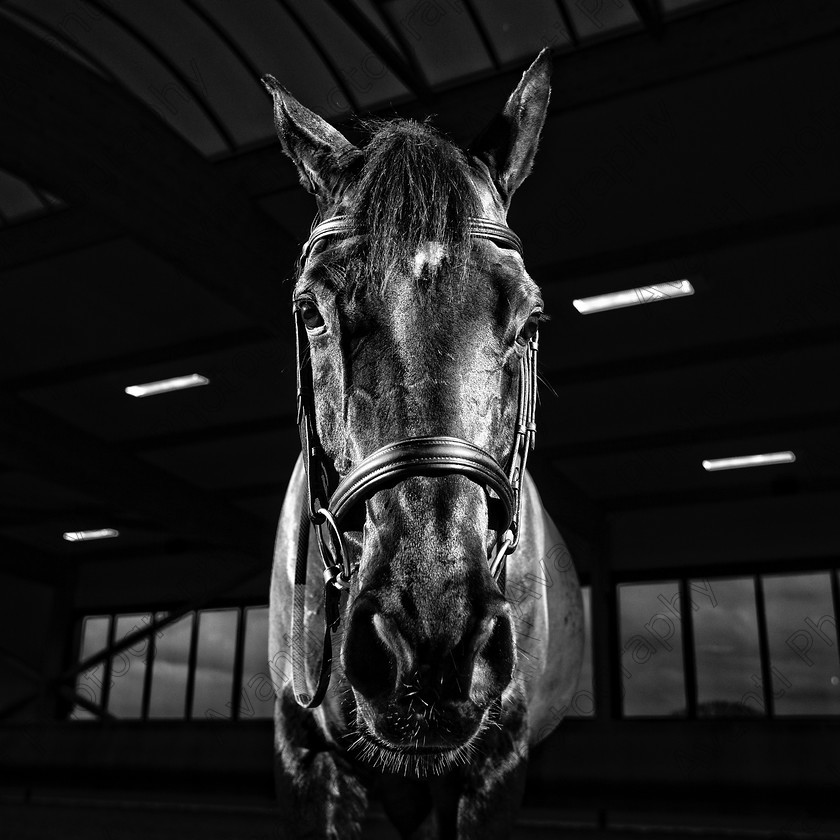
(334, 576)
(337, 558)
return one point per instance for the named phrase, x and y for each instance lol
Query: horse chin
(415, 757)
(412, 759)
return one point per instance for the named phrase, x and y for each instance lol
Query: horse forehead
(422, 304)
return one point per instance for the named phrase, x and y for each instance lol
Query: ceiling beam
(101, 150)
(223, 343)
(698, 43)
(643, 569)
(483, 33)
(828, 419)
(26, 563)
(759, 229)
(21, 666)
(56, 233)
(569, 28)
(33, 440)
(691, 46)
(14, 517)
(358, 21)
(718, 353)
(649, 13)
(780, 486)
(281, 424)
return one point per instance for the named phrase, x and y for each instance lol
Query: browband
(481, 228)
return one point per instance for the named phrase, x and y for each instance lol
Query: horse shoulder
(545, 599)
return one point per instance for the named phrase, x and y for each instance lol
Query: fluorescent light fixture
(633, 297)
(98, 534)
(749, 461)
(162, 386)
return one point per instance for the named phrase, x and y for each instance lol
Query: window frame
(81, 615)
(682, 575)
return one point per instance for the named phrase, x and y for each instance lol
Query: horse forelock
(414, 188)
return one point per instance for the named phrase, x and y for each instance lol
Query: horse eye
(529, 329)
(311, 316)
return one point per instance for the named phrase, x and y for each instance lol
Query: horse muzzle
(418, 694)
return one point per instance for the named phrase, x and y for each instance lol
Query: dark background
(148, 223)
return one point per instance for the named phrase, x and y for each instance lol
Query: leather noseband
(430, 456)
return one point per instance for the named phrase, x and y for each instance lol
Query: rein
(328, 508)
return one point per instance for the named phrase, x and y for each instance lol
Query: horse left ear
(508, 145)
(321, 154)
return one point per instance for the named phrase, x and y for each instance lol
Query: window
(726, 647)
(128, 669)
(95, 635)
(207, 665)
(759, 645)
(651, 649)
(170, 668)
(802, 640)
(213, 673)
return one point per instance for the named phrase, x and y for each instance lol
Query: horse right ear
(321, 154)
(508, 145)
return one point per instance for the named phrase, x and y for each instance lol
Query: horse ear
(321, 154)
(508, 145)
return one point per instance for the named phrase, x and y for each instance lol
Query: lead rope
(300, 684)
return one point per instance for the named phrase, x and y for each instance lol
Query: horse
(417, 334)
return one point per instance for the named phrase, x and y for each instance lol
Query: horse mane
(414, 187)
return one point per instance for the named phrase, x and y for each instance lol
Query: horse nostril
(370, 657)
(494, 662)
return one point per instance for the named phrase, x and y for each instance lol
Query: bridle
(329, 506)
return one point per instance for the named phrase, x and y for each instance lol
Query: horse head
(415, 330)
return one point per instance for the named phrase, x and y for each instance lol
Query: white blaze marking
(405, 315)
(430, 253)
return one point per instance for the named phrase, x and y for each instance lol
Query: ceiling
(148, 220)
